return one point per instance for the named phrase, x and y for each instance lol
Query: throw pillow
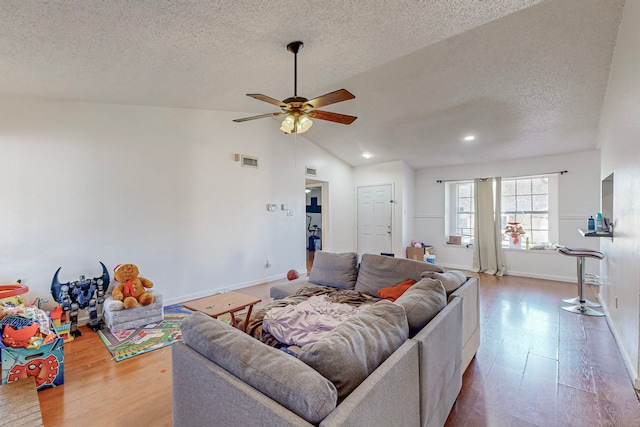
(422, 302)
(451, 280)
(337, 270)
(353, 350)
(277, 375)
(393, 292)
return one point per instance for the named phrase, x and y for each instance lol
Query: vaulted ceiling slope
(528, 78)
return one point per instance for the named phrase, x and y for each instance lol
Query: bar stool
(581, 304)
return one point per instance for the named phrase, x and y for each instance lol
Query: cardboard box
(46, 364)
(455, 240)
(415, 253)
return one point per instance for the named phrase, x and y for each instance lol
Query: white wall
(397, 173)
(158, 187)
(619, 135)
(579, 192)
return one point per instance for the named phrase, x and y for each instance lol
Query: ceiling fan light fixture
(288, 124)
(296, 123)
(304, 124)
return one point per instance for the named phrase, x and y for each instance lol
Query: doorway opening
(316, 218)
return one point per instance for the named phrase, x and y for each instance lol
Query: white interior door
(374, 219)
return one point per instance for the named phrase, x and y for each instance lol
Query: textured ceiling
(528, 78)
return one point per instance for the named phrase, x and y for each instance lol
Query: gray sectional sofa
(392, 363)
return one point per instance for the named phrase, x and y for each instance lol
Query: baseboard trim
(631, 369)
(571, 279)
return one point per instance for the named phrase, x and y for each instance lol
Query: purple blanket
(308, 321)
(342, 296)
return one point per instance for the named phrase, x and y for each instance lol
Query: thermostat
(272, 207)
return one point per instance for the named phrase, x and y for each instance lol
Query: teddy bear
(132, 288)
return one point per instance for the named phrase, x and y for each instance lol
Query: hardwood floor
(537, 366)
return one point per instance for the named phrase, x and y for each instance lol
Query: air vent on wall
(249, 162)
(311, 171)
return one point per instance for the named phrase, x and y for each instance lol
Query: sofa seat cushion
(274, 373)
(353, 350)
(287, 289)
(336, 270)
(422, 302)
(451, 280)
(377, 272)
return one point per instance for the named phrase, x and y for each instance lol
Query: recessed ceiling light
(307, 190)
(366, 155)
(469, 138)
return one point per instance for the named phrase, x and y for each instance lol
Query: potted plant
(514, 231)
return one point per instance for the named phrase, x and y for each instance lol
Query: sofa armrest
(390, 396)
(470, 294)
(440, 364)
(206, 394)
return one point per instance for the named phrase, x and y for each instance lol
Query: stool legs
(583, 305)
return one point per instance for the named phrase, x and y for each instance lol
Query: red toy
(292, 275)
(13, 290)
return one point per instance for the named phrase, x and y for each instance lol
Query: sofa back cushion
(377, 272)
(451, 280)
(422, 302)
(337, 270)
(355, 348)
(274, 373)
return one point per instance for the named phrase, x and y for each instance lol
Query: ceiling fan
(299, 110)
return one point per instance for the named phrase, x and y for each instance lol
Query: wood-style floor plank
(571, 372)
(537, 366)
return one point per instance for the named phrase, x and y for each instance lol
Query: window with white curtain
(531, 201)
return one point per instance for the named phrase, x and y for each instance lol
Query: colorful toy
(132, 289)
(79, 295)
(14, 289)
(61, 325)
(16, 337)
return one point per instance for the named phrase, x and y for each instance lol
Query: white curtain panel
(487, 248)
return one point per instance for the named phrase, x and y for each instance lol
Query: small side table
(228, 302)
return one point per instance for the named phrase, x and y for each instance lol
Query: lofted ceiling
(527, 78)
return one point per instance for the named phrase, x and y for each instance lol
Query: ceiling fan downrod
(295, 47)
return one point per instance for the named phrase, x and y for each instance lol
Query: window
(462, 213)
(531, 201)
(526, 201)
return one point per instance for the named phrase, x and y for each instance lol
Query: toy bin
(46, 363)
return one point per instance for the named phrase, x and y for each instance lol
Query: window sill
(533, 251)
(506, 249)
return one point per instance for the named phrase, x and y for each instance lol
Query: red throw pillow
(393, 292)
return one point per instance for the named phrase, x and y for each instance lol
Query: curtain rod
(440, 181)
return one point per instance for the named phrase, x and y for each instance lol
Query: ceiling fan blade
(329, 98)
(332, 117)
(258, 117)
(268, 99)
